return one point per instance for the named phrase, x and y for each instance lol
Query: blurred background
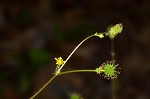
(34, 32)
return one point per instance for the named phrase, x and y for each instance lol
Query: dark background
(34, 32)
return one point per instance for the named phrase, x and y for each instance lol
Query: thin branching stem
(54, 76)
(75, 50)
(51, 79)
(58, 72)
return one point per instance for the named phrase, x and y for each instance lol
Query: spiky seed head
(114, 30)
(110, 70)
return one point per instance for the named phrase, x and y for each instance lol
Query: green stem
(112, 49)
(113, 82)
(74, 51)
(54, 76)
(75, 71)
(46, 84)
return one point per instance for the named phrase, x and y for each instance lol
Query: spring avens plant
(108, 69)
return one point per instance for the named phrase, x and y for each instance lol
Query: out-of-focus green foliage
(74, 96)
(38, 56)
